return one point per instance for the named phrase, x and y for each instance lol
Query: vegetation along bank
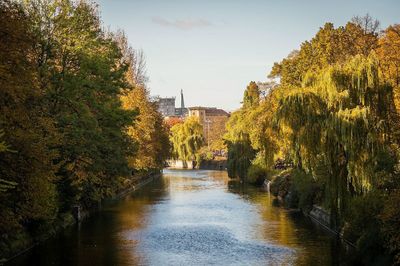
(328, 133)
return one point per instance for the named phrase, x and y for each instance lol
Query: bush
(390, 218)
(280, 184)
(208, 156)
(306, 189)
(363, 227)
(297, 188)
(256, 175)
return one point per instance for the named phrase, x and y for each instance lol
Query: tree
(84, 74)
(240, 155)
(389, 54)
(4, 184)
(344, 142)
(64, 126)
(329, 46)
(149, 131)
(251, 95)
(334, 118)
(27, 128)
(187, 139)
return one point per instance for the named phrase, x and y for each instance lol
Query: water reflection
(190, 218)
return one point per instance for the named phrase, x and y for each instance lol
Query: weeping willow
(240, 155)
(339, 127)
(251, 138)
(187, 139)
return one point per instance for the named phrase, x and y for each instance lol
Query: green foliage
(4, 184)
(208, 155)
(364, 228)
(256, 174)
(65, 135)
(249, 130)
(84, 88)
(149, 132)
(251, 95)
(346, 142)
(306, 189)
(335, 117)
(28, 128)
(329, 46)
(281, 183)
(240, 155)
(390, 217)
(187, 139)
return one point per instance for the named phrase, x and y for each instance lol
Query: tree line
(77, 124)
(328, 133)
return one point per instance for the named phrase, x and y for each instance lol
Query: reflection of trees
(288, 228)
(109, 237)
(104, 238)
(132, 216)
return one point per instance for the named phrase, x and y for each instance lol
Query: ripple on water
(207, 244)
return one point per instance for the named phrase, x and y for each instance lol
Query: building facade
(205, 114)
(166, 107)
(213, 121)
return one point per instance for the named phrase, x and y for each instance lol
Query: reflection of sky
(202, 223)
(212, 49)
(188, 218)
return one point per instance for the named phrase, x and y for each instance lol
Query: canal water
(195, 217)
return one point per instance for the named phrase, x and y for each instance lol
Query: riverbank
(203, 165)
(17, 244)
(213, 165)
(302, 194)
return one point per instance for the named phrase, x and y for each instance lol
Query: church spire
(182, 101)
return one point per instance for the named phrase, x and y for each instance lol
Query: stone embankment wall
(179, 164)
(213, 165)
(205, 164)
(320, 215)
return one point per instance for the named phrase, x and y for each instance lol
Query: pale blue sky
(213, 49)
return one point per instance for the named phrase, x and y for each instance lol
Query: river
(195, 217)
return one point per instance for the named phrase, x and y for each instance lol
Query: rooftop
(210, 111)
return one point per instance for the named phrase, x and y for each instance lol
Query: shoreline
(316, 219)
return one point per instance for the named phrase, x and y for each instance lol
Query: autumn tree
(149, 132)
(65, 131)
(330, 45)
(334, 118)
(251, 95)
(28, 130)
(388, 51)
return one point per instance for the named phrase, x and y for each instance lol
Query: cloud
(183, 24)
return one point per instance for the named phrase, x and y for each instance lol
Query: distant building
(205, 114)
(213, 121)
(166, 106)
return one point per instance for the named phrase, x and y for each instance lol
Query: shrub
(390, 218)
(306, 189)
(280, 184)
(256, 174)
(363, 227)
(208, 156)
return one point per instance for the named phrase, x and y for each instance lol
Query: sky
(211, 49)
